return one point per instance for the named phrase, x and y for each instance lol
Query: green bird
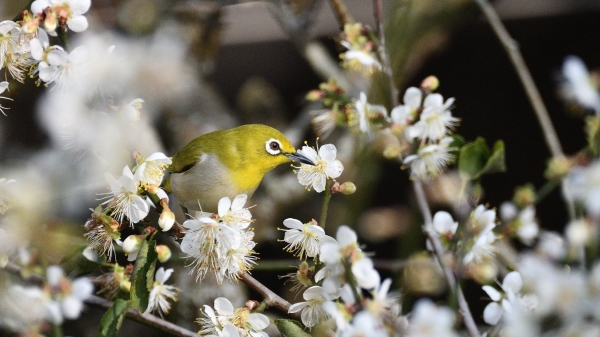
(227, 163)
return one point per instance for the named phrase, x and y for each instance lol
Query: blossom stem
(439, 252)
(271, 299)
(382, 50)
(61, 30)
(323, 219)
(351, 281)
(340, 9)
(19, 17)
(512, 48)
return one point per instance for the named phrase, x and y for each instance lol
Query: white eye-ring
(273, 146)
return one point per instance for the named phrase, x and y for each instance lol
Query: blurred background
(207, 65)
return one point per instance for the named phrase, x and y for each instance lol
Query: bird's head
(267, 147)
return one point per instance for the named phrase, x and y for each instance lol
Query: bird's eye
(273, 146)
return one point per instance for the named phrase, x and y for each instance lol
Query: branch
(341, 11)
(146, 319)
(512, 49)
(382, 50)
(134, 314)
(271, 299)
(439, 252)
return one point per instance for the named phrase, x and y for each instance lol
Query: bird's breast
(201, 187)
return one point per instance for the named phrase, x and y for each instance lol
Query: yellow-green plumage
(225, 163)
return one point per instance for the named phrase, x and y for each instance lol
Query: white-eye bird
(227, 163)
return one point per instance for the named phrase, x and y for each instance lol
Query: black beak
(299, 158)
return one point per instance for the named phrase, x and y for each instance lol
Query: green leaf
(496, 163)
(476, 159)
(290, 328)
(143, 275)
(113, 318)
(76, 263)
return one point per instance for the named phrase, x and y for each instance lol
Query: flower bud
(392, 152)
(524, 195)
(164, 253)
(430, 83)
(166, 220)
(125, 286)
(314, 95)
(348, 188)
(50, 22)
(131, 246)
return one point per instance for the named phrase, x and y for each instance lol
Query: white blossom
(124, 199)
(312, 310)
(326, 166)
(436, 120)
(226, 321)
(369, 114)
(304, 240)
(578, 86)
(161, 293)
(405, 114)
(429, 320)
(430, 160)
(70, 10)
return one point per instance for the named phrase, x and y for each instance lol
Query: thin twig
(271, 299)
(382, 50)
(512, 49)
(439, 252)
(134, 314)
(146, 319)
(341, 11)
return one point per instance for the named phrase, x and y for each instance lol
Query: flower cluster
(347, 273)
(128, 202)
(221, 243)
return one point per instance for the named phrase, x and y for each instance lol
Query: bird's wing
(186, 158)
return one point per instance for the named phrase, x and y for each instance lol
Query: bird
(227, 163)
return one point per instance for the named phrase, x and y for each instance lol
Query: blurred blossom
(579, 232)
(405, 114)
(360, 55)
(583, 184)
(67, 295)
(436, 120)
(430, 160)
(430, 320)
(552, 245)
(370, 117)
(481, 224)
(521, 223)
(22, 309)
(579, 85)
